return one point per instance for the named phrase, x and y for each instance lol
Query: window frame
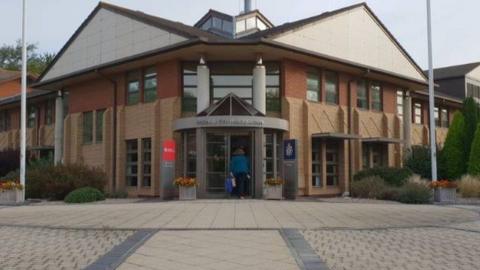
(87, 137)
(325, 83)
(131, 164)
(317, 73)
(372, 101)
(367, 100)
(146, 75)
(99, 134)
(146, 163)
(414, 115)
(132, 77)
(189, 100)
(317, 177)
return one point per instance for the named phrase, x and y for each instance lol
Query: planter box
(11, 196)
(187, 193)
(274, 192)
(445, 195)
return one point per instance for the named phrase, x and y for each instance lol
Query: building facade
(338, 83)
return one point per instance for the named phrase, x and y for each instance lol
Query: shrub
(414, 193)
(117, 195)
(470, 112)
(392, 176)
(371, 187)
(55, 182)
(452, 156)
(84, 195)
(418, 161)
(474, 160)
(469, 186)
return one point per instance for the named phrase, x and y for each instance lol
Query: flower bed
(274, 189)
(11, 192)
(187, 188)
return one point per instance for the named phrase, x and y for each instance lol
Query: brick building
(339, 83)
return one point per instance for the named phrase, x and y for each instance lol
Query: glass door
(217, 162)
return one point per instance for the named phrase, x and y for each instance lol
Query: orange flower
(10, 185)
(185, 182)
(443, 184)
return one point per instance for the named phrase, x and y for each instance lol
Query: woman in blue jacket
(240, 169)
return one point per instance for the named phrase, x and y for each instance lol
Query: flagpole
(23, 115)
(431, 98)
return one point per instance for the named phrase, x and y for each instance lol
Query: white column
(203, 86)
(58, 155)
(407, 120)
(259, 87)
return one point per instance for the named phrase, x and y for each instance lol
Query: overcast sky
(456, 24)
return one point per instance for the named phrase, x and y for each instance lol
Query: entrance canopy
(231, 111)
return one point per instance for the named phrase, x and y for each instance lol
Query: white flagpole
(433, 144)
(23, 115)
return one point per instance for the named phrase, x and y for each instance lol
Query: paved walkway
(234, 214)
(234, 234)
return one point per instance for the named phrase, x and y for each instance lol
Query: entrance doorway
(220, 146)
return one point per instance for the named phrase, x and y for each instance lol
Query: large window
(332, 160)
(436, 116)
(147, 162)
(273, 87)
(374, 155)
(150, 85)
(49, 109)
(418, 115)
(4, 121)
(132, 163)
(362, 94)
(400, 97)
(99, 125)
(331, 87)
(133, 88)
(473, 90)
(233, 78)
(272, 149)
(32, 117)
(376, 96)
(190, 154)
(313, 85)
(317, 168)
(444, 119)
(87, 127)
(189, 99)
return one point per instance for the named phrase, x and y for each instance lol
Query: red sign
(168, 151)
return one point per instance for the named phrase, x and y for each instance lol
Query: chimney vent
(248, 6)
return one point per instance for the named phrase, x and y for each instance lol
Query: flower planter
(274, 192)
(445, 195)
(187, 193)
(11, 196)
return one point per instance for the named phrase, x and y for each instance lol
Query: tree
(470, 112)
(474, 161)
(11, 58)
(452, 158)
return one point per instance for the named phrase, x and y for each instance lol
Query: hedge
(474, 161)
(452, 157)
(392, 176)
(84, 195)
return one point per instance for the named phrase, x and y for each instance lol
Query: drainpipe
(114, 127)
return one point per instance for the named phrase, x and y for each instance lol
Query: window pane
(133, 94)
(227, 26)
(240, 26)
(87, 127)
(418, 113)
(362, 100)
(317, 169)
(251, 23)
(331, 87)
(147, 162)
(400, 104)
(313, 87)
(436, 115)
(217, 23)
(261, 25)
(150, 85)
(132, 163)
(376, 96)
(189, 99)
(332, 153)
(32, 117)
(444, 118)
(99, 126)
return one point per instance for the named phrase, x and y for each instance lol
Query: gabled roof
(8, 75)
(231, 104)
(215, 13)
(175, 27)
(453, 71)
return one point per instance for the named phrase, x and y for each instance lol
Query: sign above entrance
(231, 121)
(168, 151)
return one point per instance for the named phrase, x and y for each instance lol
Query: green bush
(474, 161)
(84, 195)
(470, 113)
(414, 193)
(392, 176)
(452, 157)
(371, 187)
(117, 195)
(418, 161)
(55, 182)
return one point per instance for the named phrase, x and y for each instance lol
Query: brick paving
(237, 214)
(213, 250)
(43, 248)
(388, 249)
